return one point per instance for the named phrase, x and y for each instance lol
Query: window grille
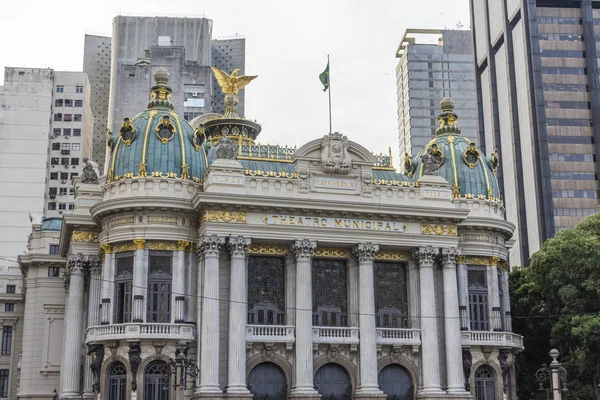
(391, 296)
(156, 384)
(266, 290)
(159, 286)
(478, 300)
(485, 383)
(6, 340)
(330, 292)
(117, 382)
(4, 382)
(123, 287)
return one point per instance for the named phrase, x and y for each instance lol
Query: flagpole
(329, 79)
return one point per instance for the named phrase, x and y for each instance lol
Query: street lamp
(555, 374)
(181, 367)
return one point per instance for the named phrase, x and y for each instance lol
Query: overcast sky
(287, 43)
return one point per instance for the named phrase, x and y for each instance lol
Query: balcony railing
(270, 334)
(486, 338)
(398, 337)
(141, 331)
(335, 335)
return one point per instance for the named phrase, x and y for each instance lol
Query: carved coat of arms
(334, 154)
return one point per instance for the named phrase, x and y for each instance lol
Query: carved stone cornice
(425, 255)
(365, 252)
(238, 246)
(211, 245)
(449, 256)
(303, 248)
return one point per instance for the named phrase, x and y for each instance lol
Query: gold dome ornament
(231, 86)
(127, 131)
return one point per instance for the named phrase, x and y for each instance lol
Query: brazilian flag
(324, 78)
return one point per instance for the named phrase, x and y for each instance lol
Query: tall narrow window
(478, 300)
(159, 286)
(117, 381)
(485, 383)
(156, 386)
(330, 292)
(4, 382)
(266, 290)
(6, 339)
(391, 298)
(123, 287)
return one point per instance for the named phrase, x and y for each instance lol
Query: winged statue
(231, 84)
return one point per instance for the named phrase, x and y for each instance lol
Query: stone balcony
(139, 331)
(398, 337)
(492, 339)
(270, 334)
(335, 335)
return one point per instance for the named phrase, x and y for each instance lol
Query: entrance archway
(485, 383)
(267, 381)
(394, 381)
(333, 382)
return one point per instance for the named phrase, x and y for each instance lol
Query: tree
(555, 303)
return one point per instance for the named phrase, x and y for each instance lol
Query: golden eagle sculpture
(231, 84)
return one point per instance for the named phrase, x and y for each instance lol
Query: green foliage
(556, 303)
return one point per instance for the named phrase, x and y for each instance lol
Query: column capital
(303, 248)
(95, 264)
(449, 256)
(425, 255)
(365, 252)
(211, 245)
(238, 245)
(139, 243)
(76, 263)
(106, 248)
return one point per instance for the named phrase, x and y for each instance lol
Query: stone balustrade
(138, 331)
(335, 335)
(271, 334)
(488, 338)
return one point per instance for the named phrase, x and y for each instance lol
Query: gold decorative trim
(445, 230)
(326, 252)
(163, 246)
(235, 217)
(271, 174)
(267, 249)
(127, 127)
(494, 260)
(106, 248)
(82, 236)
(165, 123)
(139, 243)
(183, 245)
(471, 155)
(484, 260)
(391, 255)
(119, 248)
(386, 182)
(281, 160)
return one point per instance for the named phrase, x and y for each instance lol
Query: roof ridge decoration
(448, 119)
(335, 158)
(161, 92)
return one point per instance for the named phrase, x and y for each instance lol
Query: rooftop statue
(231, 84)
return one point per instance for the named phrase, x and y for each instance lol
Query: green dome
(456, 159)
(157, 142)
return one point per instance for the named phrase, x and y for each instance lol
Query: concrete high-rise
(428, 72)
(228, 54)
(539, 105)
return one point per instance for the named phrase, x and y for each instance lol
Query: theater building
(204, 265)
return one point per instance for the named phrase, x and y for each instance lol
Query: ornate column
(463, 294)
(178, 299)
(494, 295)
(454, 365)
(94, 292)
(238, 297)
(71, 361)
(199, 291)
(506, 299)
(209, 358)
(140, 281)
(429, 329)
(108, 277)
(369, 387)
(303, 382)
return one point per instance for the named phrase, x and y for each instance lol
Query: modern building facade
(427, 72)
(269, 272)
(71, 137)
(536, 64)
(227, 55)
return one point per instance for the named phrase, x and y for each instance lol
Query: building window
(64, 176)
(4, 382)
(62, 191)
(74, 161)
(78, 103)
(156, 386)
(78, 89)
(53, 176)
(68, 103)
(56, 131)
(74, 174)
(485, 383)
(266, 290)
(6, 339)
(11, 289)
(330, 293)
(52, 206)
(76, 132)
(117, 381)
(58, 117)
(62, 206)
(54, 247)
(478, 300)
(53, 272)
(9, 307)
(71, 206)
(67, 132)
(64, 161)
(60, 88)
(391, 295)
(76, 147)
(159, 286)
(66, 146)
(58, 103)
(123, 287)
(54, 161)
(68, 117)
(77, 117)
(52, 191)
(55, 146)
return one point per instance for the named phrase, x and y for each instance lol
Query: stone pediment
(335, 153)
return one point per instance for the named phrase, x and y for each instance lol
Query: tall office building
(433, 64)
(539, 105)
(227, 54)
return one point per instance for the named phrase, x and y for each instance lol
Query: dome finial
(161, 76)
(161, 93)
(447, 118)
(447, 104)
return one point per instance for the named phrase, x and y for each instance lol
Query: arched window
(159, 286)
(333, 382)
(395, 382)
(117, 381)
(123, 287)
(267, 382)
(157, 385)
(485, 383)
